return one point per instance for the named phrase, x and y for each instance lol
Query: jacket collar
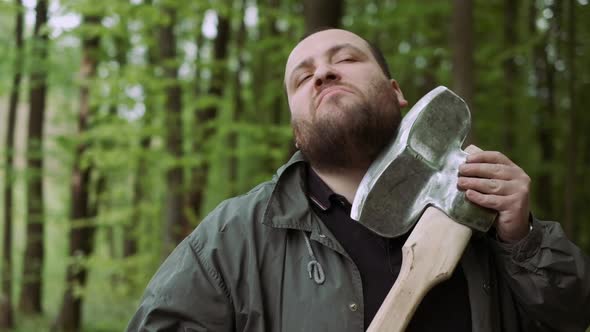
(288, 206)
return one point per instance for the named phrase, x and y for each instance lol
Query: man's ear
(398, 92)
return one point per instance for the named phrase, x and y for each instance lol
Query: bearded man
(287, 257)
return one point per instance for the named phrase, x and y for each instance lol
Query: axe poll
(413, 184)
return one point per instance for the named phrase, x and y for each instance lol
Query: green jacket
(245, 268)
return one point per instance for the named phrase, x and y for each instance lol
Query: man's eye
(345, 60)
(303, 79)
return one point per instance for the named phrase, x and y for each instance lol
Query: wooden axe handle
(430, 255)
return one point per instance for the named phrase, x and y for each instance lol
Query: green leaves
(234, 116)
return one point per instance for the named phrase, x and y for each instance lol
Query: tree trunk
(510, 75)
(238, 103)
(543, 73)
(277, 74)
(429, 79)
(280, 111)
(195, 191)
(30, 300)
(462, 58)
(176, 221)
(572, 138)
(81, 236)
(121, 45)
(139, 192)
(140, 188)
(206, 116)
(6, 311)
(319, 14)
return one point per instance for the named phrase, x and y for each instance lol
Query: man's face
(344, 109)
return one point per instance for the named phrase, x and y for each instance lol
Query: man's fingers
(489, 171)
(493, 157)
(495, 202)
(472, 149)
(486, 186)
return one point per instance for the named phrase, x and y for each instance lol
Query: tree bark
(462, 58)
(81, 236)
(238, 103)
(543, 73)
(572, 138)
(195, 192)
(140, 188)
(279, 107)
(319, 14)
(6, 310)
(510, 74)
(30, 300)
(176, 221)
(121, 45)
(130, 229)
(206, 116)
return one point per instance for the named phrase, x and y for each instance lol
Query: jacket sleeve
(185, 294)
(549, 277)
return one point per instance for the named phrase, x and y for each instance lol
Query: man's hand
(492, 180)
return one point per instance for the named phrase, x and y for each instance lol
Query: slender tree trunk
(176, 221)
(197, 180)
(205, 117)
(130, 230)
(572, 138)
(238, 102)
(429, 79)
(277, 75)
(543, 73)
(6, 311)
(462, 59)
(322, 13)
(270, 73)
(510, 74)
(140, 188)
(30, 300)
(121, 48)
(81, 236)
(130, 246)
(199, 41)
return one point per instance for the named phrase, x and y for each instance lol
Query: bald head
(338, 35)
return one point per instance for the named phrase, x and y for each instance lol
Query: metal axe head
(420, 168)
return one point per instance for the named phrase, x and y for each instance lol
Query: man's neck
(344, 182)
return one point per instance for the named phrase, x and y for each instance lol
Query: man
(287, 257)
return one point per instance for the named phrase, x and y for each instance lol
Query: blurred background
(123, 122)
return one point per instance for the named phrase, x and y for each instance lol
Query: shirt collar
(320, 194)
(318, 191)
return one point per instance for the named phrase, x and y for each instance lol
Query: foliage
(251, 135)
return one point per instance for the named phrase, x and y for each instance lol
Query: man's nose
(325, 75)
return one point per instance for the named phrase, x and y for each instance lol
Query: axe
(413, 183)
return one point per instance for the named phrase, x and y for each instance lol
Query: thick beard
(352, 138)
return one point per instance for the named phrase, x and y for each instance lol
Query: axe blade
(419, 169)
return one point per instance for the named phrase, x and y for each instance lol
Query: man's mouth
(329, 91)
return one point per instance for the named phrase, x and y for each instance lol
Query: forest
(124, 122)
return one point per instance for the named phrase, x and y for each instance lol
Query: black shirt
(379, 259)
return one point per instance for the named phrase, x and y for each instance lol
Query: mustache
(318, 97)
